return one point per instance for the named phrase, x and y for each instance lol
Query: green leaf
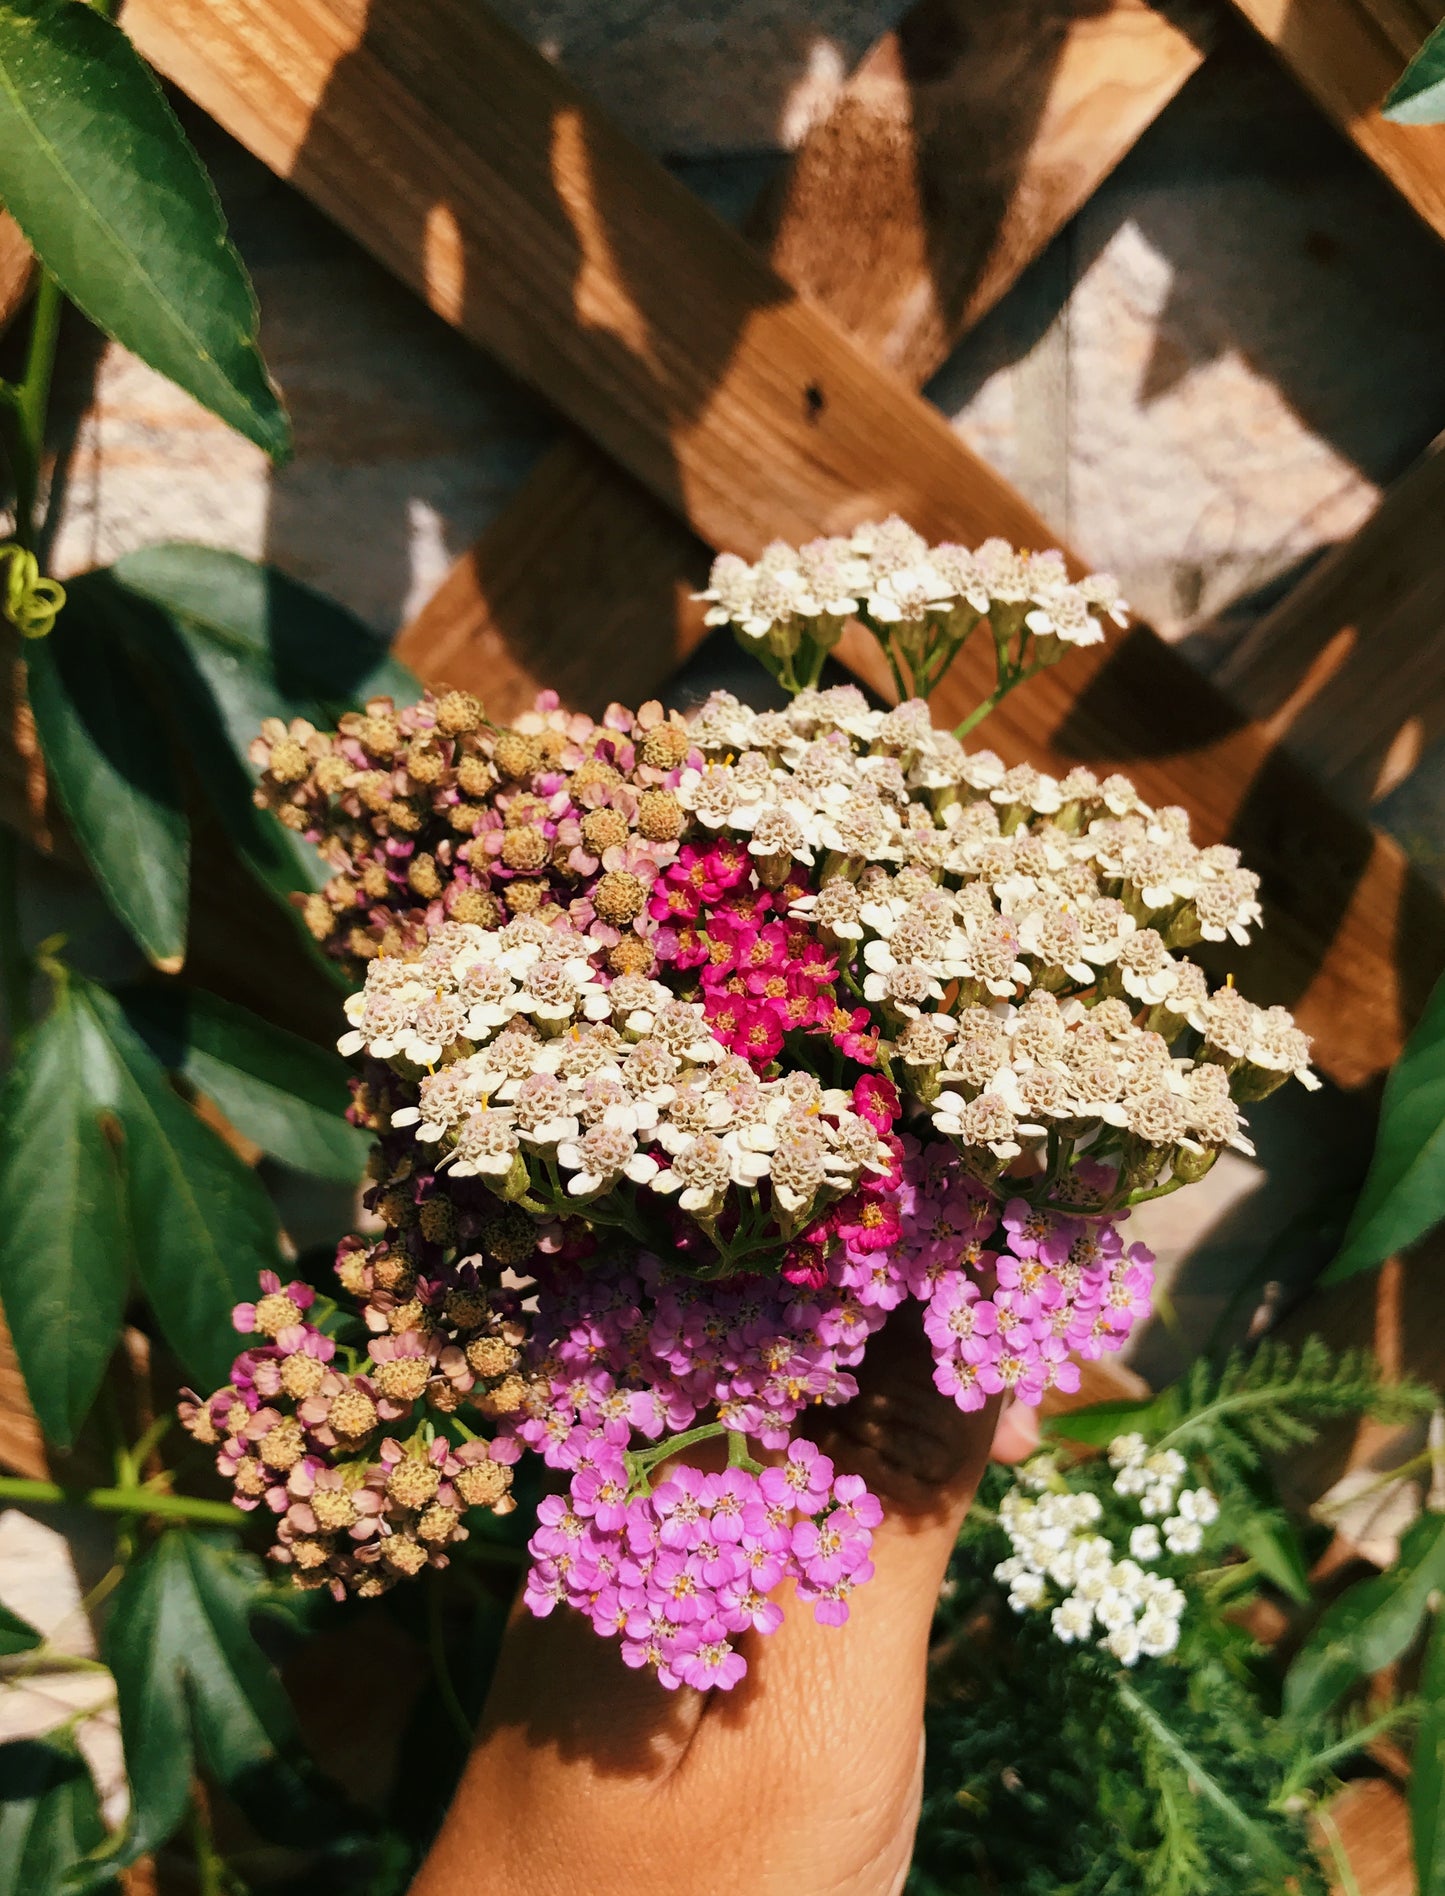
(1404, 1193)
(1254, 1520)
(283, 1092)
(1098, 1424)
(109, 758)
(1427, 1771)
(1272, 1542)
(1418, 95)
(49, 1817)
(64, 1254)
(269, 646)
(16, 1634)
(238, 642)
(279, 859)
(1369, 1626)
(202, 1226)
(195, 1690)
(95, 169)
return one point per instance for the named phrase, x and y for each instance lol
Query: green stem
(1344, 1870)
(15, 964)
(211, 1877)
(139, 1500)
(641, 1462)
(1019, 675)
(738, 1456)
(1155, 1191)
(46, 1659)
(899, 686)
(441, 1671)
(28, 400)
(1254, 1834)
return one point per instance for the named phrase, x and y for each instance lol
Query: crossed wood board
(726, 389)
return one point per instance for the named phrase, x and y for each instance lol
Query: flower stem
(212, 1878)
(738, 1456)
(27, 401)
(15, 965)
(128, 1500)
(1019, 675)
(642, 1461)
(441, 1670)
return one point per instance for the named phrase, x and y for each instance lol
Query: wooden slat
(1347, 54)
(1371, 1829)
(16, 267)
(964, 142)
(22, 1445)
(907, 226)
(1349, 668)
(471, 168)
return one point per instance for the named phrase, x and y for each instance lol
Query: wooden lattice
(722, 397)
(725, 389)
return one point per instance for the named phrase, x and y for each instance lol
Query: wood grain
(16, 268)
(1371, 1824)
(470, 167)
(1347, 54)
(1347, 670)
(22, 1445)
(966, 139)
(907, 226)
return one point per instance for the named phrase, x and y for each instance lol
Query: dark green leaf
(109, 758)
(236, 643)
(49, 1817)
(95, 169)
(1404, 1194)
(1427, 1771)
(213, 730)
(194, 1689)
(16, 1634)
(203, 1228)
(1368, 1627)
(267, 645)
(1254, 1520)
(64, 1259)
(1272, 1541)
(283, 1092)
(1418, 95)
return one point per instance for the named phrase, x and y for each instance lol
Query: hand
(804, 1780)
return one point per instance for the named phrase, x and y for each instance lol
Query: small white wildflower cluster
(921, 601)
(541, 1062)
(1061, 1563)
(1155, 1480)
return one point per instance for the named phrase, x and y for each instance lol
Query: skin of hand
(805, 1780)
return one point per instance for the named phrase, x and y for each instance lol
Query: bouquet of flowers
(695, 1045)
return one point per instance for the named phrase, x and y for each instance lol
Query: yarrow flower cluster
(1062, 1564)
(920, 601)
(695, 1045)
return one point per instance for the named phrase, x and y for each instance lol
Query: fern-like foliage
(1274, 1398)
(1049, 1772)
(1052, 1771)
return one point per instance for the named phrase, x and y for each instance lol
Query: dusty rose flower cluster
(694, 1046)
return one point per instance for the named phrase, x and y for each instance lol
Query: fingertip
(1017, 1434)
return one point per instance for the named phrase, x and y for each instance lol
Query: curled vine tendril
(29, 600)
